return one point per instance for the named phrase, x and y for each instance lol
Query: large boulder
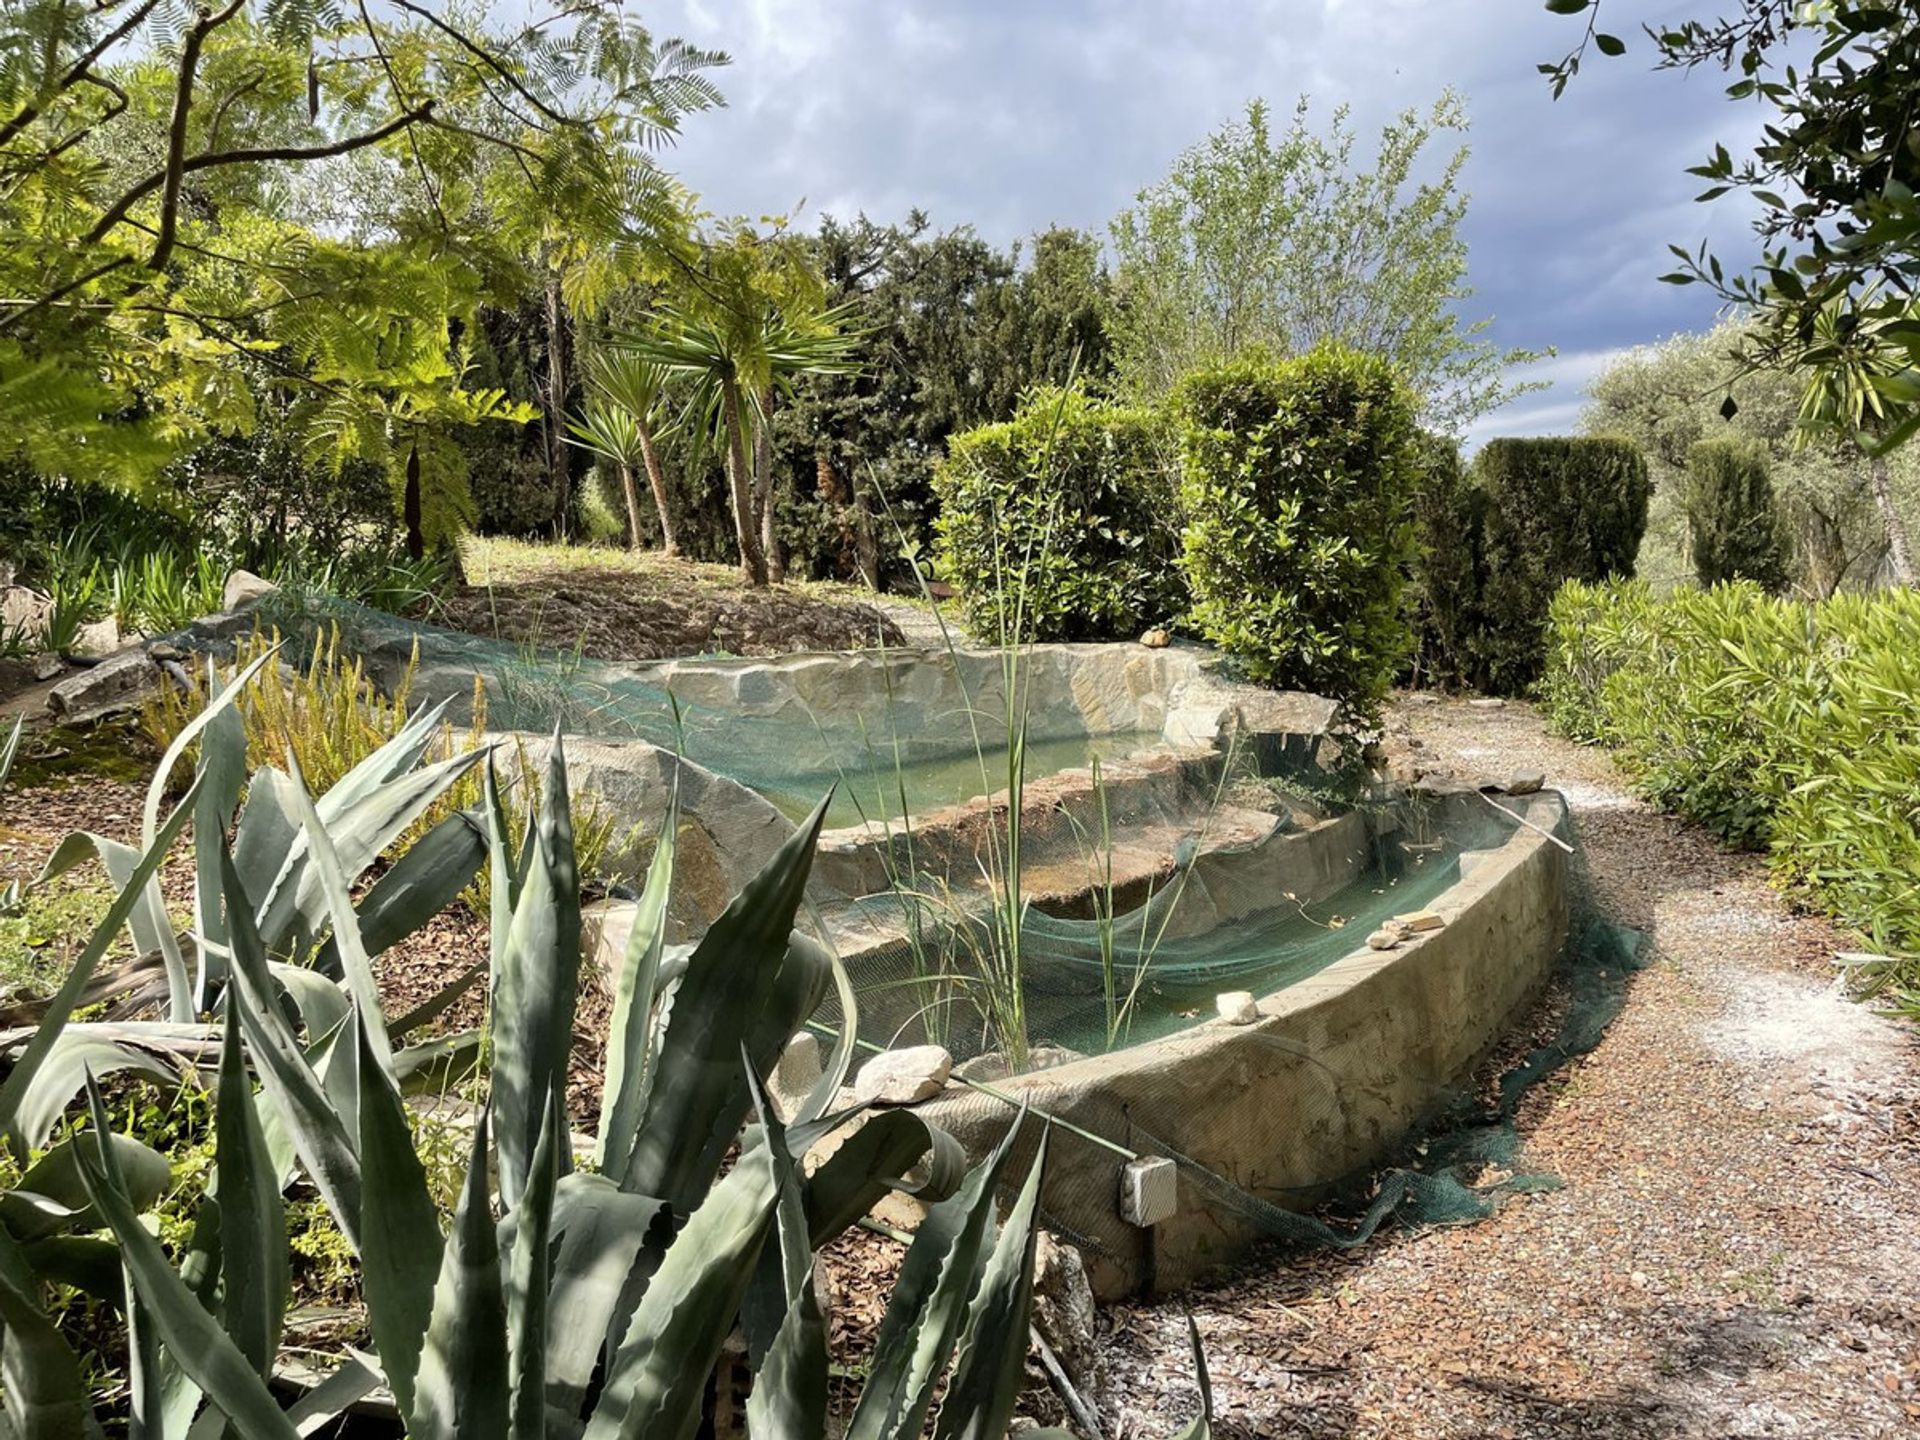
(903, 1077)
(118, 683)
(23, 611)
(243, 589)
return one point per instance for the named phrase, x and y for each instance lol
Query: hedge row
(1778, 724)
(1269, 508)
(1500, 539)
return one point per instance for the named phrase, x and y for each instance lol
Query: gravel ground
(1734, 1249)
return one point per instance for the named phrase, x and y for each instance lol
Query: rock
(1440, 784)
(97, 638)
(23, 612)
(1063, 1308)
(1156, 639)
(243, 589)
(1385, 938)
(119, 682)
(1526, 782)
(1237, 1007)
(1414, 921)
(1149, 1190)
(1488, 703)
(904, 1077)
(46, 665)
(796, 1072)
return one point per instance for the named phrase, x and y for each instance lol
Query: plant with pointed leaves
(618, 424)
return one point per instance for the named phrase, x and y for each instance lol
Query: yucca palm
(617, 423)
(742, 344)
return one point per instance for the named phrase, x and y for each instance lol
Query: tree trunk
(1899, 552)
(753, 569)
(559, 461)
(632, 494)
(865, 545)
(657, 481)
(763, 490)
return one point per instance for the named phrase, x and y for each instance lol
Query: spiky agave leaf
(461, 1389)
(631, 1034)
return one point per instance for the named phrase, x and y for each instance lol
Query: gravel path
(1735, 1251)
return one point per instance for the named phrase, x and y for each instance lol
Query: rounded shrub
(1058, 524)
(1733, 524)
(1297, 485)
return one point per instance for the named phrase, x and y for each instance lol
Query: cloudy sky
(1012, 115)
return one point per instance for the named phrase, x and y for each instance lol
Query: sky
(1012, 115)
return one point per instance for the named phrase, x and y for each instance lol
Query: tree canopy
(1276, 239)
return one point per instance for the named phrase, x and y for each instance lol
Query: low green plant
(1779, 724)
(1296, 491)
(1073, 494)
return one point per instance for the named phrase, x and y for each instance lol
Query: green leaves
(461, 1391)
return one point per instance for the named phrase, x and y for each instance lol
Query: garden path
(1735, 1249)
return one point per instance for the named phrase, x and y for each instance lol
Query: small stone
(1156, 639)
(1526, 782)
(904, 1077)
(97, 638)
(1488, 703)
(243, 588)
(796, 1072)
(1415, 921)
(1237, 1007)
(46, 665)
(1385, 938)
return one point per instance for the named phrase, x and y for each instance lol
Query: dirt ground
(1735, 1249)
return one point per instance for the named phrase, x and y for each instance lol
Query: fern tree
(194, 195)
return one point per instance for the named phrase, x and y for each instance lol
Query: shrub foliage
(1057, 524)
(1776, 723)
(1297, 489)
(1733, 525)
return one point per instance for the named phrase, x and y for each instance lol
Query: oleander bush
(1779, 724)
(1297, 488)
(1058, 524)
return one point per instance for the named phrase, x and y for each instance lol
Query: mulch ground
(1734, 1246)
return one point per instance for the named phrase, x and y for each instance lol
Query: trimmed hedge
(1776, 723)
(1297, 486)
(1443, 596)
(1733, 525)
(1532, 515)
(1058, 524)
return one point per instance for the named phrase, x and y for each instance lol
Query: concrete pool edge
(1327, 1085)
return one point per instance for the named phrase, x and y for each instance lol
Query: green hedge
(1557, 509)
(1297, 487)
(1733, 524)
(1448, 574)
(1777, 723)
(1058, 524)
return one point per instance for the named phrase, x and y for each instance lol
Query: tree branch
(76, 72)
(256, 155)
(175, 173)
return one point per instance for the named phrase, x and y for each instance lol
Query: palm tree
(744, 334)
(617, 423)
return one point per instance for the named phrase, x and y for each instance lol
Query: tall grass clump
(1779, 724)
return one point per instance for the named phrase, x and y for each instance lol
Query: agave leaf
(253, 1220)
(530, 1279)
(991, 1362)
(354, 1380)
(1201, 1426)
(869, 1162)
(400, 1244)
(428, 876)
(41, 1387)
(60, 1009)
(671, 1345)
(460, 1391)
(630, 1032)
(12, 747)
(331, 884)
(928, 1306)
(504, 873)
(84, 1262)
(51, 1198)
(601, 1235)
(318, 1134)
(833, 1074)
(223, 775)
(221, 703)
(320, 1003)
(62, 1075)
(789, 1396)
(535, 989)
(731, 994)
(192, 1337)
(147, 923)
(263, 836)
(359, 831)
